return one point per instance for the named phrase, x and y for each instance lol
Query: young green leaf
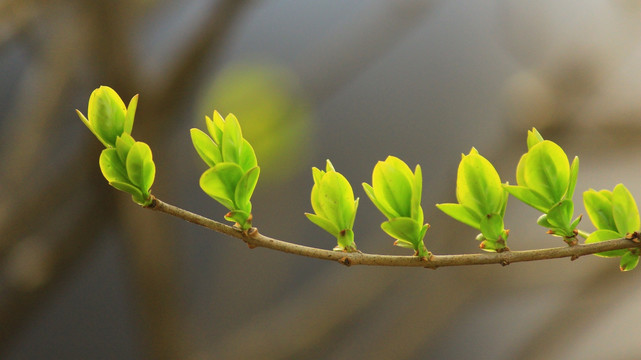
(130, 114)
(417, 192)
(206, 148)
(245, 189)
(574, 174)
(215, 127)
(402, 228)
(123, 145)
(324, 224)
(111, 166)
(407, 231)
(247, 158)
(482, 199)
(381, 205)
(116, 174)
(598, 204)
(396, 192)
(392, 185)
(462, 214)
(136, 195)
(603, 235)
(533, 138)
(624, 210)
(478, 186)
(546, 181)
(107, 113)
(107, 116)
(629, 260)
(232, 140)
(220, 181)
(529, 196)
(333, 202)
(547, 171)
(234, 170)
(560, 215)
(140, 166)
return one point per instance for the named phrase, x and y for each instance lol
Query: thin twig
(254, 239)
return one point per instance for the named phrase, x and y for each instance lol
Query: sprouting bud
(107, 116)
(334, 206)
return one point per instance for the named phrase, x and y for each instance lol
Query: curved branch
(254, 239)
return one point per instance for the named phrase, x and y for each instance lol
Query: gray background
(86, 274)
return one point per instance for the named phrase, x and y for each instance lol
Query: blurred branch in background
(15, 17)
(347, 50)
(64, 43)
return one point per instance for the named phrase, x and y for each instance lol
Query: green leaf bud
(130, 168)
(482, 199)
(615, 215)
(107, 116)
(234, 170)
(396, 192)
(333, 202)
(546, 181)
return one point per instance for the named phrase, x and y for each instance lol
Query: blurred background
(87, 274)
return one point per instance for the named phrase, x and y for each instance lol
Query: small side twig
(254, 239)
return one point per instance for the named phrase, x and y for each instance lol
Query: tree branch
(254, 239)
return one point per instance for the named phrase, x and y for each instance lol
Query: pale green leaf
(136, 195)
(106, 114)
(462, 214)
(247, 158)
(547, 171)
(220, 181)
(478, 185)
(140, 166)
(123, 145)
(529, 197)
(111, 167)
(381, 205)
(324, 224)
(403, 228)
(391, 184)
(598, 205)
(130, 114)
(604, 235)
(232, 140)
(560, 215)
(245, 189)
(533, 138)
(417, 189)
(336, 199)
(624, 210)
(206, 148)
(215, 126)
(574, 173)
(317, 175)
(629, 261)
